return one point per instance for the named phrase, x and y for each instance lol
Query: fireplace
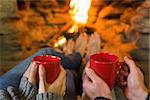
(123, 27)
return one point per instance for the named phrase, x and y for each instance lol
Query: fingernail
(40, 65)
(34, 63)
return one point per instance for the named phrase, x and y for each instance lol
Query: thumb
(42, 79)
(91, 74)
(131, 64)
(33, 71)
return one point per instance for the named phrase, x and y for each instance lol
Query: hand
(135, 88)
(57, 87)
(30, 73)
(27, 86)
(94, 86)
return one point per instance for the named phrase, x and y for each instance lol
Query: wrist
(140, 94)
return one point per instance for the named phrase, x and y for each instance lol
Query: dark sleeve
(48, 96)
(70, 93)
(147, 98)
(101, 98)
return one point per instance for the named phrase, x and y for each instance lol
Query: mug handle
(124, 69)
(124, 66)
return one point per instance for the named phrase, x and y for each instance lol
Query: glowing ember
(74, 28)
(56, 45)
(62, 40)
(79, 11)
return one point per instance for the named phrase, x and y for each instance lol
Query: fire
(79, 12)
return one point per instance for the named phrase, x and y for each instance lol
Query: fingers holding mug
(30, 73)
(27, 72)
(33, 71)
(42, 79)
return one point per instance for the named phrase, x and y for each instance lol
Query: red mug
(51, 65)
(106, 66)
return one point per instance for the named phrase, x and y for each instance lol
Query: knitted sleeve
(27, 90)
(48, 96)
(4, 95)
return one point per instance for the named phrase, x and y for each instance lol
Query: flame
(73, 29)
(79, 11)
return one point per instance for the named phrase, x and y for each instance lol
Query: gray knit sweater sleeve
(4, 95)
(27, 90)
(9, 94)
(48, 96)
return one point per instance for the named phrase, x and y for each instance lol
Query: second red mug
(106, 66)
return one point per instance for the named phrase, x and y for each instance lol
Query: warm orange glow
(73, 29)
(79, 11)
(61, 40)
(56, 45)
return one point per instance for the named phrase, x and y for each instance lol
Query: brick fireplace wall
(9, 46)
